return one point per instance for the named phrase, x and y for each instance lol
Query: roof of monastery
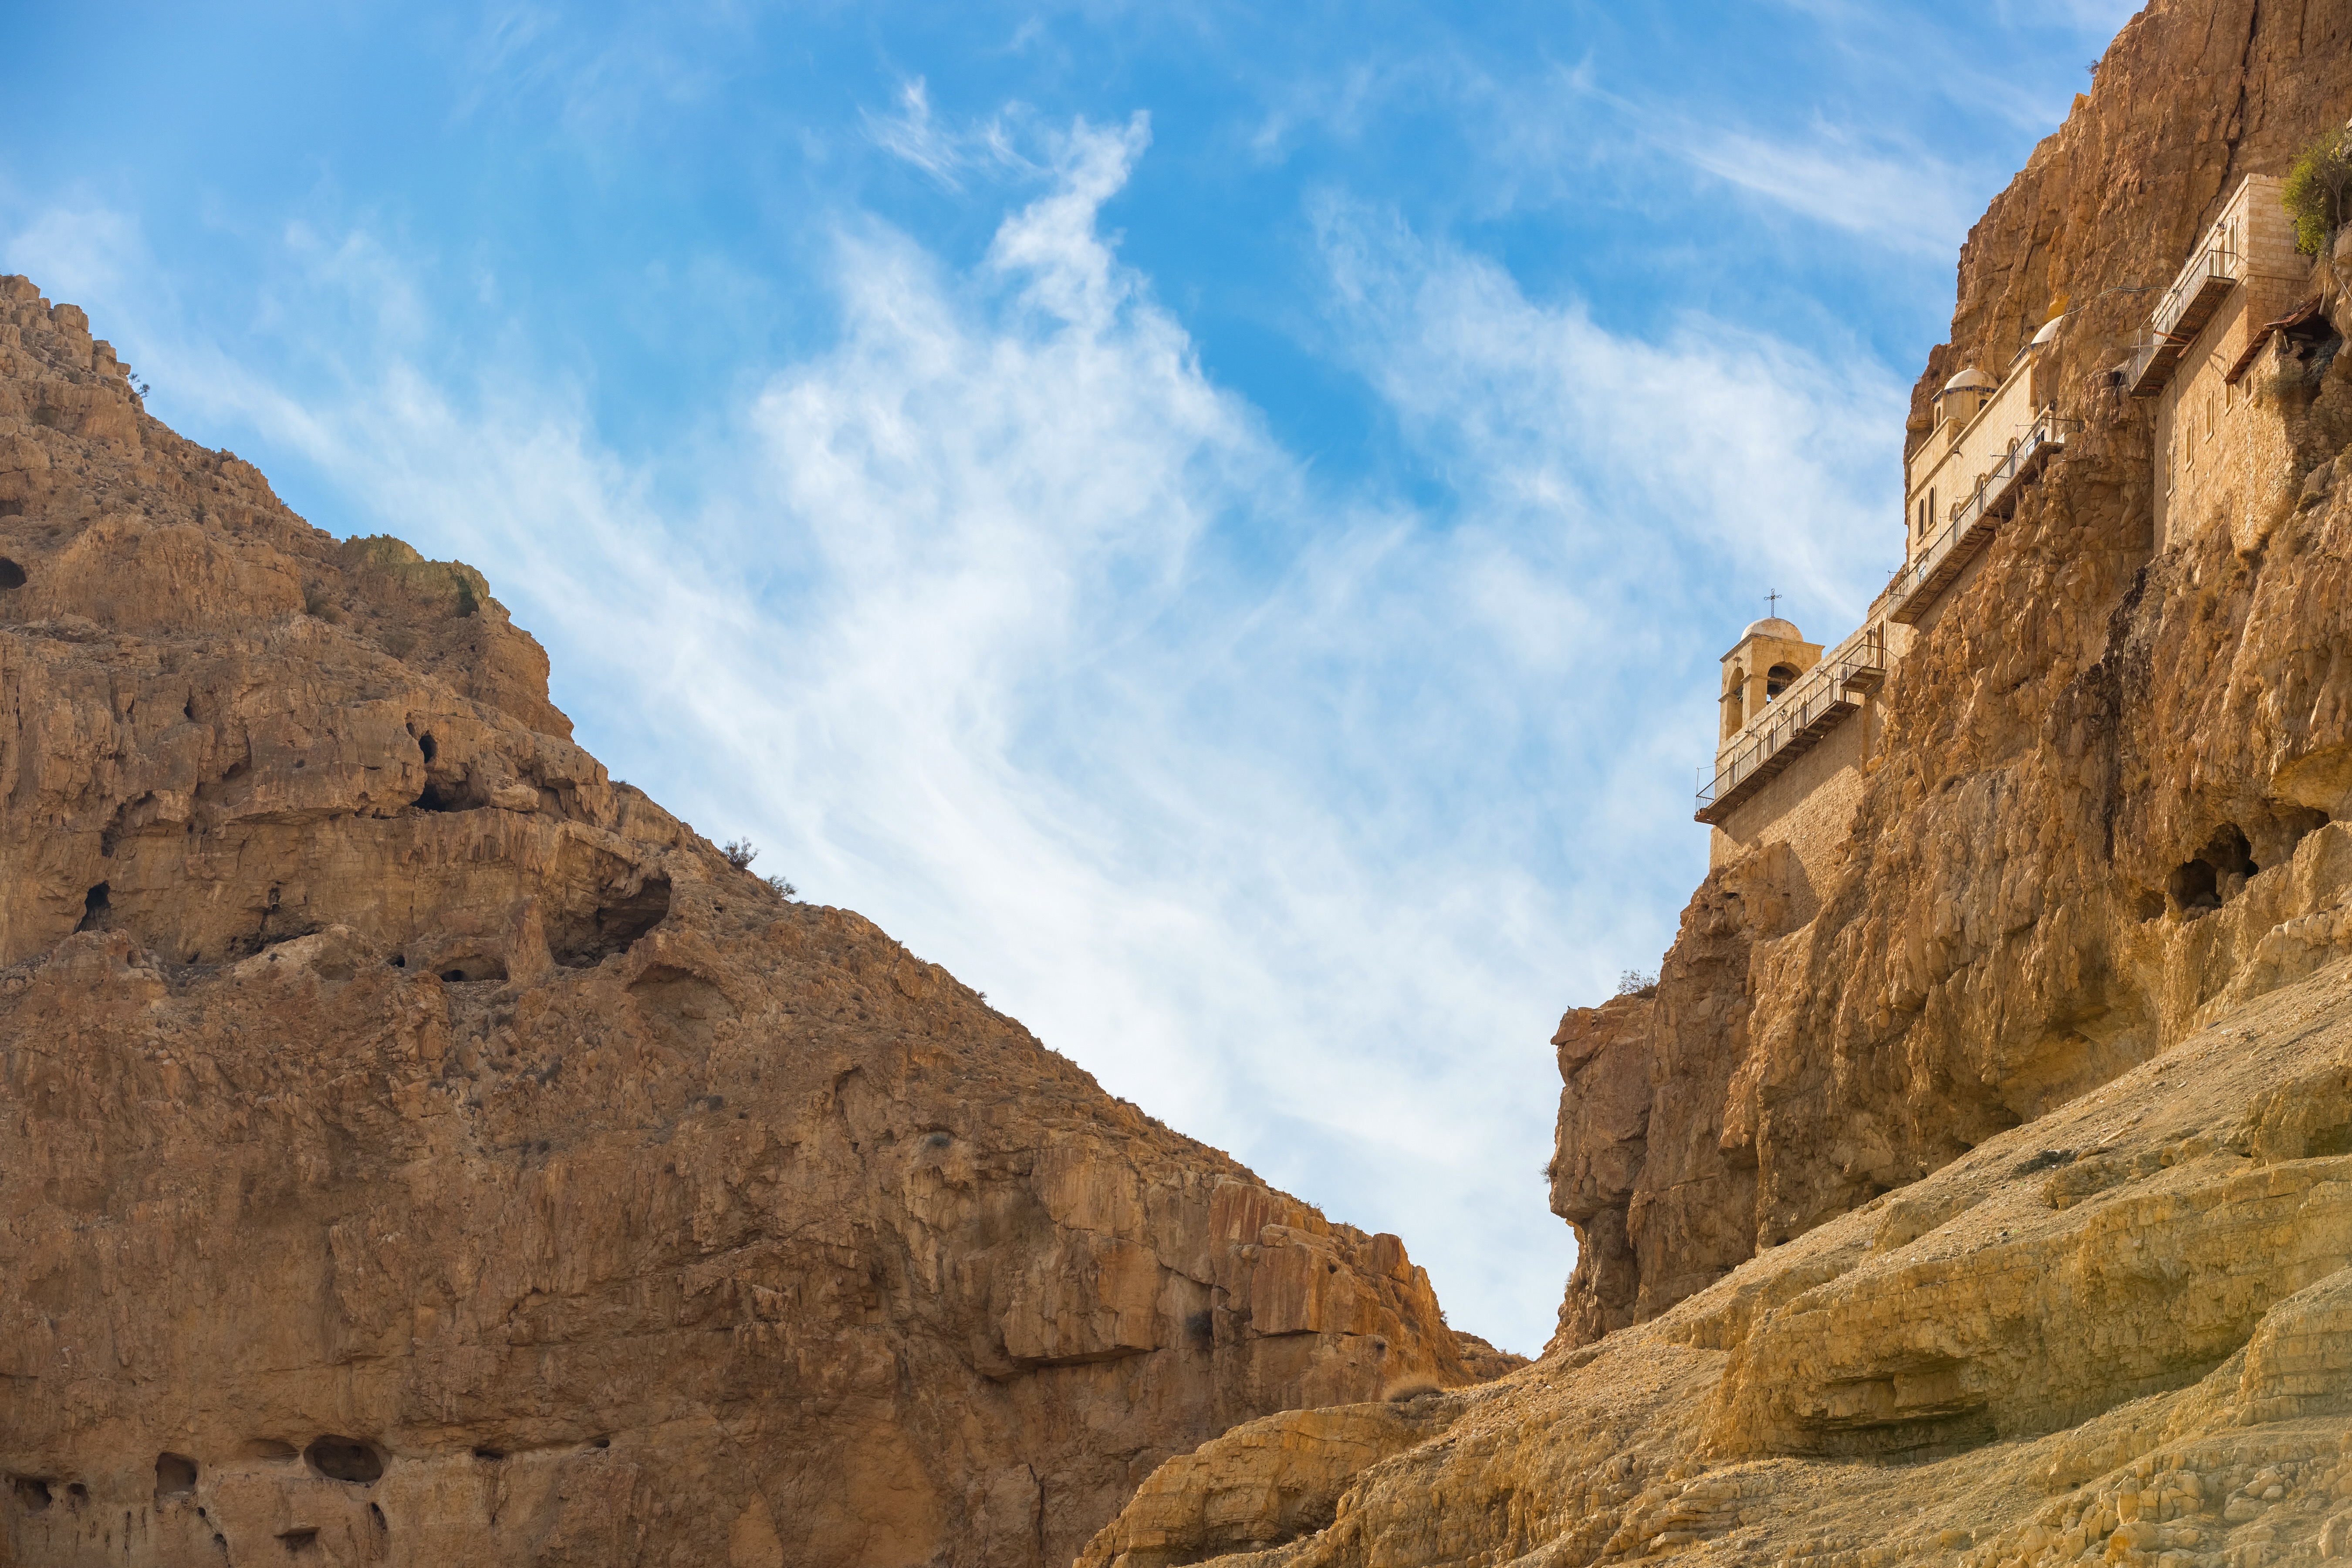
(1773, 626)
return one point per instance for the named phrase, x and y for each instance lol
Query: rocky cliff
(1984, 1201)
(2020, 915)
(420, 1148)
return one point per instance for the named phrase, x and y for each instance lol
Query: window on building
(1779, 678)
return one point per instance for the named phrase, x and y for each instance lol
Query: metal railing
(2044, 433)
(2217, 261)
(2167, 338)
(1796, 712)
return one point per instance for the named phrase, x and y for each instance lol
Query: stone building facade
(2210, 364)
(2237, 329)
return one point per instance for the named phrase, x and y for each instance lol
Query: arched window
(1779, 678)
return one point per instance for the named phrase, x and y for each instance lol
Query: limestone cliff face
(420, 1148)
(2082, 725)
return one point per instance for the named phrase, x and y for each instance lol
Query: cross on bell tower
(1772, 601)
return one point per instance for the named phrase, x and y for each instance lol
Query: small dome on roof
(1972, 380)
(2049, 331)
(1773, 626)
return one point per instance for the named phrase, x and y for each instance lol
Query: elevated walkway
(1797, 720)
(2181, 314)
(1915, 589)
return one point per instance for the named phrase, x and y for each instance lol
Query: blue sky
(1216, 524)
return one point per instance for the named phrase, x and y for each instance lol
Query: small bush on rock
(2318, 189)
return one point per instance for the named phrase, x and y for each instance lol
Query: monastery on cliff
(1799, 725)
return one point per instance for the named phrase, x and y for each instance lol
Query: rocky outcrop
(422, 1148)
(2089, 826)
(2121, 1334)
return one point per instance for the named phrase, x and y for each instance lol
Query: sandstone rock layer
(2122, 1334)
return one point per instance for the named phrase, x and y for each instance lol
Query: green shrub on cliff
(2318, 191)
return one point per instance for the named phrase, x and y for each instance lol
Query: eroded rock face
(2120, 1334)
(420, 1148)
(2102, 810)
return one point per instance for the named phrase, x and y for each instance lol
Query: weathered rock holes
(468, 968)
(94, 906)
(32, 1493)
(176, 1478)
(2218, 873)
(490, 1456)
(585, 942)
(295, 1541)
(344, 1459)
(11, 574)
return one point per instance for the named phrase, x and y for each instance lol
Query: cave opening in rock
(2217, 874)
(466, 968)
(32, 1493)
(344, 1459)
(94, 905)
(578, 942)
(11, 574)
(175, 1476)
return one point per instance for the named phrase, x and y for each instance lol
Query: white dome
(2049, 331)
(1972, 380)
(1773, 626)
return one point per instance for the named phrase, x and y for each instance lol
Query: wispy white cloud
(1904, 199)
(1293, 813)
(942, 151)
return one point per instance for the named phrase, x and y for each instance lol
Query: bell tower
(1766, 661)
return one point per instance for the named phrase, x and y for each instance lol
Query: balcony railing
(1921, 581)
(1794, 722)
(2183, 312)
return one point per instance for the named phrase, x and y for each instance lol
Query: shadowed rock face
(2100, 811)
(420, 1148)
